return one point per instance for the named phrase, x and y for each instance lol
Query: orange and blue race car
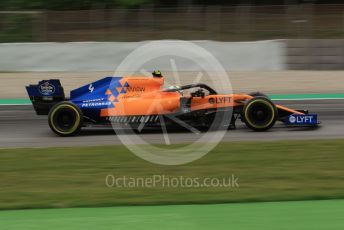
(137, 100)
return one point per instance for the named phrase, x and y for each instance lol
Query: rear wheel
(259, 114)
(65, 119)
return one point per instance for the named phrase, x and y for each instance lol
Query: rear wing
(45, 95)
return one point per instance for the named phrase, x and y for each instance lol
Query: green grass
(306, 215)
(267, 171)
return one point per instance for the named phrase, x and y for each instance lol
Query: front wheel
(65, 119)
(258, 94)
(259, 114)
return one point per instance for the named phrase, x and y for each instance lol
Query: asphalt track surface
(21, 127)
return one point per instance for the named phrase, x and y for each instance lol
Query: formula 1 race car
(137, 100)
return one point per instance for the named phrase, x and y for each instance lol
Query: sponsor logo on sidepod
(219, 100)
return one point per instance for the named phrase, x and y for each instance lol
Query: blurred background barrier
(291, 54)
(314, 33)
(315, 54)
(105, 56)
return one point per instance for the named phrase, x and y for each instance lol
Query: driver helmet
(157, 73)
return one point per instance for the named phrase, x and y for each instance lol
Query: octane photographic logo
(193, 144)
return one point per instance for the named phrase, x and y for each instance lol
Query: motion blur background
(137, 20)
(295, 22)
(289, 49)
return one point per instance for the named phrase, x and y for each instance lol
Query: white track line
(14, 104)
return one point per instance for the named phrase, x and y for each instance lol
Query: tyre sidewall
(78, 120)
(266, 101)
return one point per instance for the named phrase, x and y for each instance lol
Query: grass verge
(306, 215)
(266, 171)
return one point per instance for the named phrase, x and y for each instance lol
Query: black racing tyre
(258, 94)
(259, 114)
(65, 119)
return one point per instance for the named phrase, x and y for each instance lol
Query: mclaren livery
(137, 100)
